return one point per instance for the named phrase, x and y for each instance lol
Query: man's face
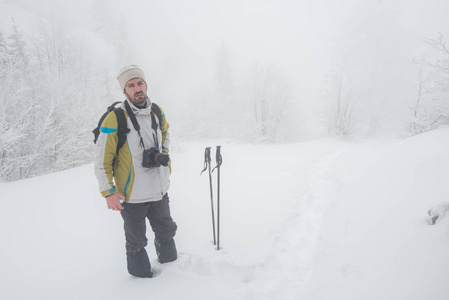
(136, 91)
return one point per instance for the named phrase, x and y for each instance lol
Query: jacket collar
(141, 111)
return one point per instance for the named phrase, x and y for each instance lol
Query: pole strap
(207, 159)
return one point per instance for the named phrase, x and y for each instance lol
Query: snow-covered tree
(17, 46)
(3, 52)
(51, 90)
(16, 107)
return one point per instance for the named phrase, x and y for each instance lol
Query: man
(135, 179)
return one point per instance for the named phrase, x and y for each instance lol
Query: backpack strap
(96, 131)
(122, 129)
(157, 110)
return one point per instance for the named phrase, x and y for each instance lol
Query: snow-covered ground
(326, 219)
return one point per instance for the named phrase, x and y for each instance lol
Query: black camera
(152, 158)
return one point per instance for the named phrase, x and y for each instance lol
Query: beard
(139, 99)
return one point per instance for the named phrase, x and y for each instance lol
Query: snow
(326, 219)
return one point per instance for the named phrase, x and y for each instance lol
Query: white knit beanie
(129, 72)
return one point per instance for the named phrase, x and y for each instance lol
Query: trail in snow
(276, 213)
(376, 242)
(66, 241)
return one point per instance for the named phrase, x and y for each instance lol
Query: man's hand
(113, 201)
(163, 158)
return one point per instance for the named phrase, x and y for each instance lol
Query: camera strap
(134, 121)
(154, 127)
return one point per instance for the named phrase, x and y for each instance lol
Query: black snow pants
(164, 228)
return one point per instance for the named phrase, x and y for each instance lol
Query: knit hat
(129, 72)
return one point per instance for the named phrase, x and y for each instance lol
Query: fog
(262, 71)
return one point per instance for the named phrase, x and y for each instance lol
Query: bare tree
(339, 104)
(270, 91)
(431, 107)
(223, 74)
(441, 64)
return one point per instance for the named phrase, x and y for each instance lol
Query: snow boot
(166, 251)
(138, 264)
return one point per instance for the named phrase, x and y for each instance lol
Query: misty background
(245, 71)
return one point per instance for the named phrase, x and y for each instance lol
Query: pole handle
(218, 158)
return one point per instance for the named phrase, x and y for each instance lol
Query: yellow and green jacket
(125, 174)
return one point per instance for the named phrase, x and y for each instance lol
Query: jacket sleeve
(105, 153)
(165, 136)
(165, 133)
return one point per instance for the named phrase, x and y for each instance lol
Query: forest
(58, 74)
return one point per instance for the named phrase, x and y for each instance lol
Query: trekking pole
(207, 161)
(219, 160)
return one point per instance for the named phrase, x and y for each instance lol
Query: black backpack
(122, 130)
